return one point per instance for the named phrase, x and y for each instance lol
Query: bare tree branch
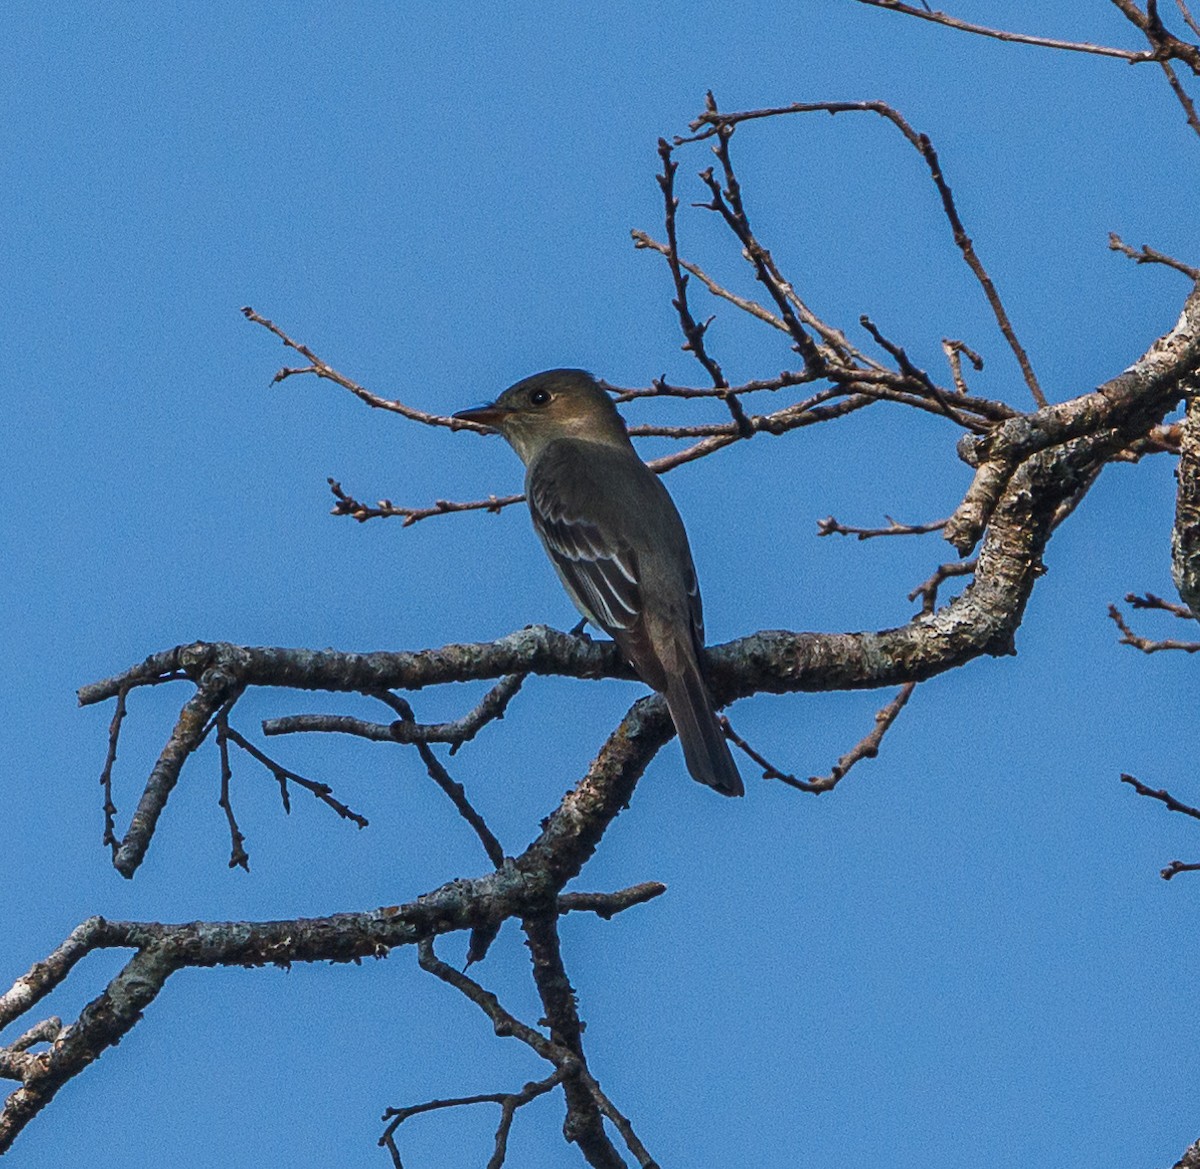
(213, 690)
(607, 905)
(524, 886)
(509, 1103)
(347, 505)
(1163, 797)
(1189, 19)
(1011, 37)
(927, 590)
(284, 776)
(721, 124)
(830, 527)
(455, 792)
(238, 857)
(321, 369)
(584, 1124)
(1170, 871)
(1181, 95)
(955, 351)
(1032, 466)
(1150, 601)
(866, 748)
(1145, 644)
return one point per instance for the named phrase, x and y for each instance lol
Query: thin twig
(1165, 47)
(1189, 19)
(348, 505)
(928, 590)
(606, 905)
(1149, 255)
(620, 1122)
(915, 373)
(284, 775)
(238, 857)
(503, 1023)
(1164, 44)
(1151, 601)
(321, 369)
(769, 770)
(693, 331)
(661, 388)
(831, 527)
(833, 337)
(728, 203)
(110, 809)
(1178, 867)
(509, 1103)
(1181, 95)
(955, 351)
(865, 748)
(1012, 37)
(438, 773)
(1145, 644)
(457, 732)
(1162, 796)
(642, 240)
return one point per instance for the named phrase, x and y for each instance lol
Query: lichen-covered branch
(1134, 401)
(1185, 537)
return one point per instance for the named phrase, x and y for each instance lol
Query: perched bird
(618, 545)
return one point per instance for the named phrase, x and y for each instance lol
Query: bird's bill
(487, 415)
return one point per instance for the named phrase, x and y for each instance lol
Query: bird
(618, 544)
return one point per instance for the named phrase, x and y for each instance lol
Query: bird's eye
(539, 397)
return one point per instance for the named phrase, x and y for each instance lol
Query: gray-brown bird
(618, 545)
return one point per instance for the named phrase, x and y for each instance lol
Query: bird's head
(560, 403)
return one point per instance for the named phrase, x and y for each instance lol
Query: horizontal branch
(1149, 255)
(1163, 797)
(606, 905)
(831, 527)
(1018, 38)
(1151, 601)
(1145, 644)
(346, 504)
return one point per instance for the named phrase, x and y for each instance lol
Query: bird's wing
(695, 606)
(599, 570)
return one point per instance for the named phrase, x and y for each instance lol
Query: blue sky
(967, 945)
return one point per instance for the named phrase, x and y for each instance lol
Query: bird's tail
(705, 749)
